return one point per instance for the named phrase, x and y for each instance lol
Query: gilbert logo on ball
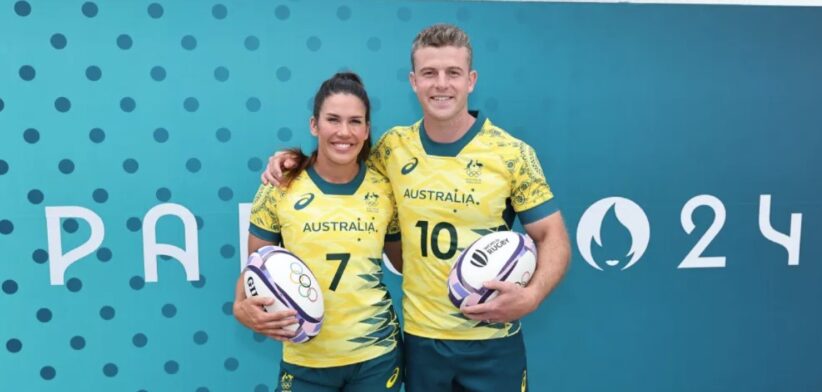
(273, 272)
(505, 255)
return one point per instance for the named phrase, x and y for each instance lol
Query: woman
(337, 216)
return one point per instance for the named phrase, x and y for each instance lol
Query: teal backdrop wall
(679, 141)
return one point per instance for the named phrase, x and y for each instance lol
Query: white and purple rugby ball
(272, 271)
(504, 255)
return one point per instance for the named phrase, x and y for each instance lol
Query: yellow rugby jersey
(448, 195)
(339, 231)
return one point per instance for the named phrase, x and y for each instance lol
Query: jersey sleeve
(379, 154)
(393, 232)
(263, 222)
(531, 195)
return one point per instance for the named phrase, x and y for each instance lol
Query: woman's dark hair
(340, 83)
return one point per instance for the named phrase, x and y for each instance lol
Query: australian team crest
(474, 170)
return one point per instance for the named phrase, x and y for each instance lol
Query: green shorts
(433, 365)
(381, 374)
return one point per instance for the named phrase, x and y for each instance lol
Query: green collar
(451, 149)
(328, 188)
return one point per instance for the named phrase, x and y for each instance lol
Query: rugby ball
(504, 255)
(272, 271)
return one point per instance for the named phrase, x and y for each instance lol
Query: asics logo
(304, 201)
(410, 166)
(393, 379)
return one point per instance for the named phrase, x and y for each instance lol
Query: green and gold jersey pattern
(449, 195)
(339, 231)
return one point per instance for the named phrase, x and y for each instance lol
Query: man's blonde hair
(440, 35)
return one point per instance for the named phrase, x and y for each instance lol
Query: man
(457, 176)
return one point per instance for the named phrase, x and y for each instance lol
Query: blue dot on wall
(282, 12)
(4, 167)
(133, 224)
(225, 193)
(259, 338)
(252, 42)
(58, 41)
(223, 135)
(130, 165)
(40, 256)
(283, 74)
(160, 135)
(14, 345)
(48, 373)
(188, 42)
(313, 43)
(228, 308)
(6, 227)
(253, 104)
(44, 315)
(104, 254)
(155, 10)
(199, 283)
(404, 14)
(284, 134)
(163, 194)
(227, 251)
(107, 312)
(191, 104)
(70, 225)
(139, 340)
(77, 342)
(93, 73)
(193, 165)
(231, 364)
(127, 104)
(89, 9)
(219, 11)
(136, 282)
(171, 367)
(200, 222)
(35, 196)
(66, 166)
(158, 73)
(62, 104)
(100, 195)
(343, 12)
(74, 285)
(31, 135)
(374, 44)
(10, 287)
(261, 388)
(124, 41)
(255, 164)
(202, 389)
(2, 105)
(97, 135)
(110, 370)
(221, 74)
(22, 8)
(27, 72)
(169, 310)
(200, 337)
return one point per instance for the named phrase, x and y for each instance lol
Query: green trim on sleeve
(538, 212)
(264, 235)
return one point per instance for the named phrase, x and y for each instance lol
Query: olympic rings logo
(303, 282)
